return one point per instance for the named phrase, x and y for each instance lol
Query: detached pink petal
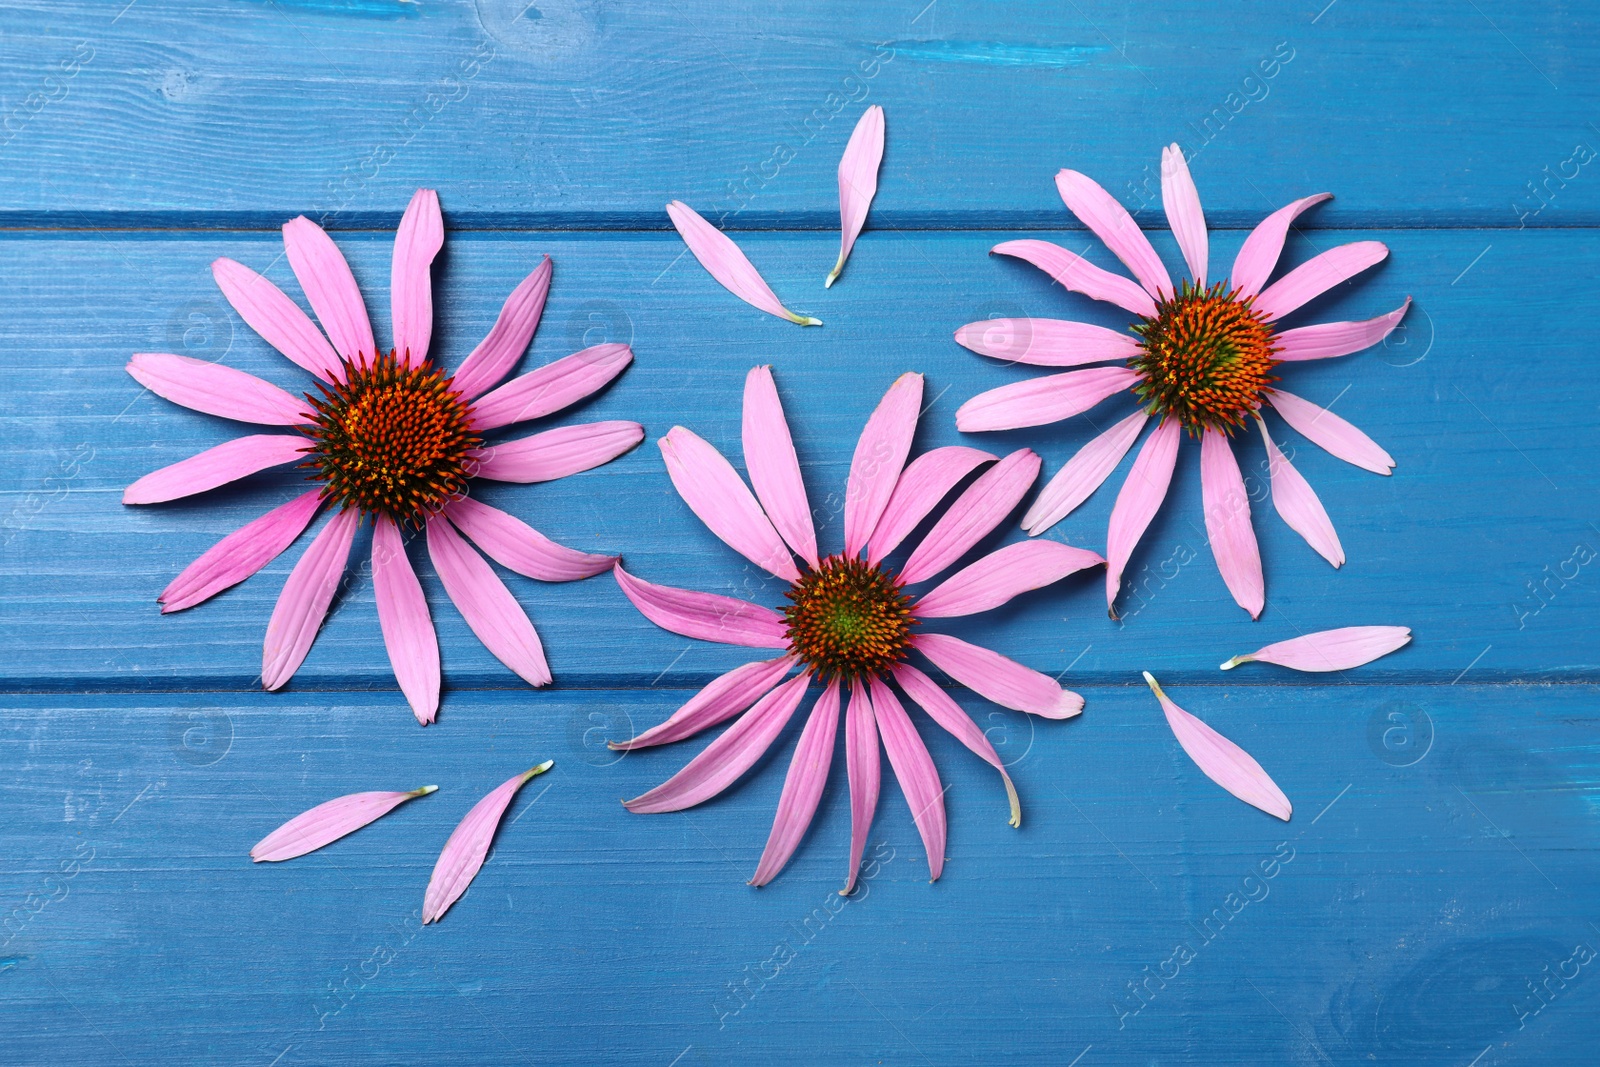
(879, 458)
(802, 786)
(993, 676)
(866, 774)
(948, 714)
(976, 512)
(1297, 503)
(516, 546)
(1138, 501)
(217, 390)
(327, 822)
(926, 480)
(240, 554)
(304, 602)
(1046, 342)
(774, 469)
(557, 453)
(1222, 761)
(468, 846)
(497, 353)
(1260, 251)
(1330, 650)
(325, 277)
(488, 606)
(1043, 400)
(714, 491)
(913, 767)
(1328, 339)
(1076, 273)
(1110, 221)
(718, 702)
(858, 184)
(227, 462)
(728, 265)
(1316, 276)
(1001, 575)
(1083, 474)
(403, 616)
(1227, 510)
(551, 387)
(416, 243)
(279, 320)
(1327, 430)
(705, 616)
(1181, 201)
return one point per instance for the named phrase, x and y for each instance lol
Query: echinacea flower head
(389, 438)
(1202, 360)
(852, 620)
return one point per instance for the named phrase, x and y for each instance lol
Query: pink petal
(516, 546)
(1297, 503)
(1332, 433)
(1222, 761)
(1076, 273)
(1316, 276)
(418, 240)
(714, 491)
(1138, 501)
(719, 701)
(468, 847)
(948, 714)
(556, 453)
(976, 512)
(227, 462)
(279, 321)
(1330, 650)
(858, 184)
(551, 387)
(1181, 201)
(1046, 342)
(728, 265)
(926, 480)
(879, 458)
(217, 390)
(705, 616)
(1110, 221)
(325, 277)
(1328, 339)
(802, 786)
(497, 353)
(240, 554)
(327, 822)
(734, 751)
(304, 602)
(1260, 251)
(1002, 574)
(866, 774)
(1227, 510)
(403, 616)
(774, 469)
(993, 676)
(1040, 401)
(1083, 474)
(488, 606)
(914, 769)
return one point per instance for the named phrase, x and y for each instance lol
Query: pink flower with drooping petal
(329, 821)
(726, 262)
(463, 855)
(851, 622)
(1330, 650)
(392, 440)
(858, 183)
(1222, 761)
(1201, 359)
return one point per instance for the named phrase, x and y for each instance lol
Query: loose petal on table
(1331, 433)
(1260, 251)
(1222, 761)
(325, 277)
(993, 676)
(492, 613)
(329, 821)
(516, 546)
(1001, 575)
(721, 699)
(926, 480)
(1326, 340)
(728, 265)
(552, 387)
(879, 459)
(705, 616)
(1042, 400)
(1228, 528)
(858, 183)
(1076, 273)
(1137, 503)
(557, 453)
(217, 390)
(1330, 650)
(1085, 472)
(802, 786)
(497, 353)
(774, 469)
(1110, 221)
(280, 322)
(1046, 342)
(240, 554)
(716, 494)
(1297, 503)
(416, 243)
(403, 616)
(468, 846)
(303, 604)
(1181, 201)
(975, 513)
(866, 774)
(948, 714)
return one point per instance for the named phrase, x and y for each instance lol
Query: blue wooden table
(1434, 899)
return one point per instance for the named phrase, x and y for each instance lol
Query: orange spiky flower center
(1205, 359)
(390, 439)
(849, 619)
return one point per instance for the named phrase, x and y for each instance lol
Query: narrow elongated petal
(217, 390)
(551, 387)
(1316, 276)
(497, 353)
(544, 457)
(279, 320)
(468, 846)
(734, 751)
(914, 769)
(1333, 434)
(719, 701)
(1330, 650)
(224, 463)
(993, 676)
(879, 459)
(1043, 400)
(1110, 221)
(1222, 761)
(728, 264)
(303, 604)
(1297, 503)
(404, 618)
(866, 774)
(802, 786)
(1181, 201)
(1138, 501)
(705, 616)
(488, 606)
(1328, 339)
(926, 480)
(1003, 574)
(327, 822)
(948, 714)
(516, 546)
(325, 277)
(714, 491)
(1076, 273)
(1083, 474)
(1227, 510)
(976, 512)
(774, 468)
(416, 242)
(1046, 342)
(858, 183)
(240, 554)
(1260, 251)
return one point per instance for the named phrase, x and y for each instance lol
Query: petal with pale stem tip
(329, 821)
(725, 262)
(1330, 650)
(1222, 761)
(858, 183)
(468, 846)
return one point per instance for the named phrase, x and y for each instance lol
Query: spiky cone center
(390, 439)
(1205, 359)
(849, 619)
